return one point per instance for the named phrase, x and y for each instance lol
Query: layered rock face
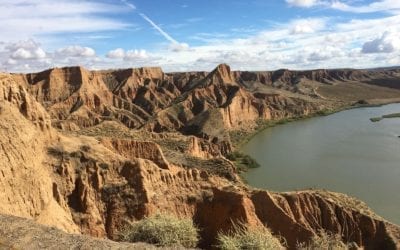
(164, 102)
(106, 147)
(25, 130)
(148, 98)
(287, 78)
(296, 217)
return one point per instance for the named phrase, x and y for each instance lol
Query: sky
(193, 35)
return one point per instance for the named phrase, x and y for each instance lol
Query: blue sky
(181, 35)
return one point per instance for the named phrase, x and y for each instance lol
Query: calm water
(343, 152)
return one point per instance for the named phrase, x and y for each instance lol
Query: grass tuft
(324, 240)
(162, 230)
(248, 237)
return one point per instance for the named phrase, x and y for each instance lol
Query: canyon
(86, 151)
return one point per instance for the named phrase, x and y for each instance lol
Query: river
(343, 152)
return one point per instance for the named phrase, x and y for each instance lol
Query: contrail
(162, 32)
(158, 28)
(133, 7)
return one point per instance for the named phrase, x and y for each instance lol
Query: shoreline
(314, 189)
(243, 137)
(265, 124)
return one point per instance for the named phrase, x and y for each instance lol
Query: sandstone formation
(87, 151)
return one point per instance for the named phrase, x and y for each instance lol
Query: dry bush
(162, 230)
(248, 237)
(324, 240)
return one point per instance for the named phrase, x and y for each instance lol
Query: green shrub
(376, 119)
(324, 240)
(248, 237)
(249, 162)
(162, 230)
(394, 115)
(324, 112)
(234, 156)
(242, 161)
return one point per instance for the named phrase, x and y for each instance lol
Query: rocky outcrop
(70, 94)
(138, 149)
(214, 216)
(203, 149)
(25, 130)
(298, 216)
(13, 93)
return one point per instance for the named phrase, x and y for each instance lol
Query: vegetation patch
(162, 230)
(324, 240)
(394, 115)
(377, 119)
(242, 161)
(85, 148)
(248, 237)
(325, 112)
(57, 151)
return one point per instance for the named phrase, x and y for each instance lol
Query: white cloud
(304, 26)
(28, 55)
(329, 45)
(177, 47)
(388, 42)
(76, 51)
(296, 44)
(135, 54)
(29, 18)
(28, 49)
(344, 5)
(376, 6)
(29, 44)
(22, 53)
(303, 3)
(129, 55)
(116, 54)
(326, 53)
(11, 62)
